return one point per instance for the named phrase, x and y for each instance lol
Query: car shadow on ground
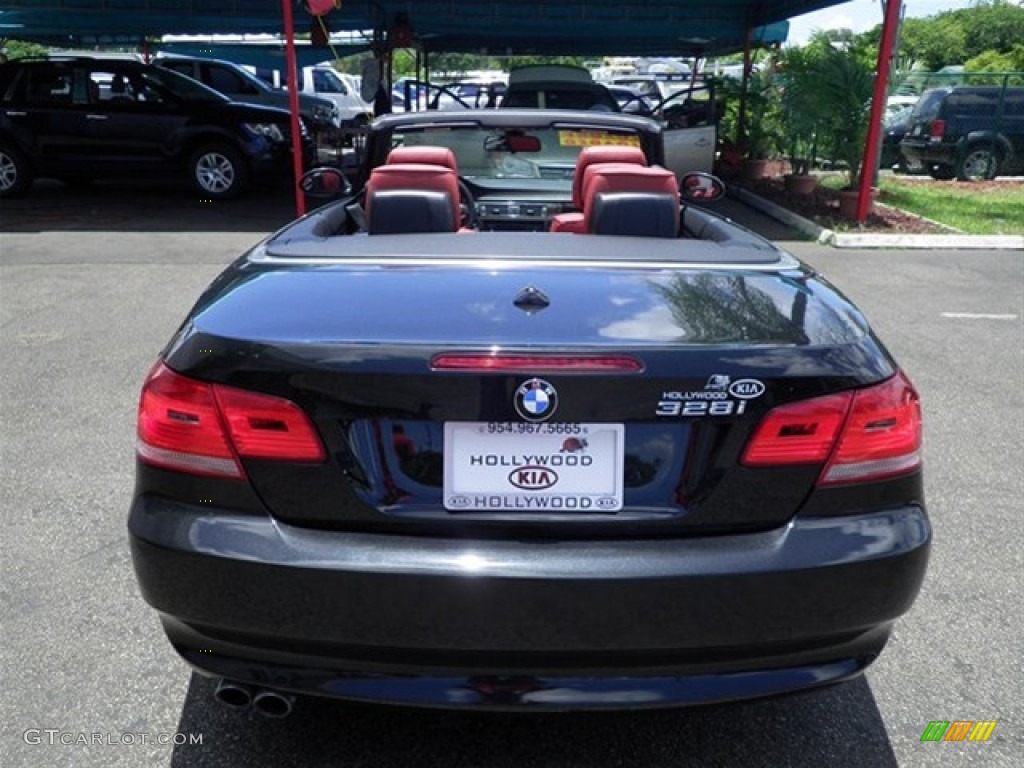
(160, 206)
(840, 725)
(143, 206)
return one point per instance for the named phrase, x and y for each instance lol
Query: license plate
(518, 467)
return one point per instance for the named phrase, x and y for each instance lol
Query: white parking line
(977, 316)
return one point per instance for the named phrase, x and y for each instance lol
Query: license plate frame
(550, 468)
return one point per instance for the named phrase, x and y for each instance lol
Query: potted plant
(755, 129)
(845, 84)
(802, 110)
(762, 120)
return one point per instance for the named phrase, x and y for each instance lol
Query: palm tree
(844, 87)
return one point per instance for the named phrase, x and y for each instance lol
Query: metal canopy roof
(580, 27)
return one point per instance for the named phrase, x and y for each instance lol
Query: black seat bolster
(639, 214)
(402, 211)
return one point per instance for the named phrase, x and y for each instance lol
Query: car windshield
(326, 81)
(898, 116)
(489, 153)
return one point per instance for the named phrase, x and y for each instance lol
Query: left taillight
(860, 435)
(204, 429)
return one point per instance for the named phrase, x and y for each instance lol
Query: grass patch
(977, 208)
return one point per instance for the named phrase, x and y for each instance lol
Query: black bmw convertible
(518, 423)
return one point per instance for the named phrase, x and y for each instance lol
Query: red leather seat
(404, 197)
(626, 199)
(588, 156)
(424, 155)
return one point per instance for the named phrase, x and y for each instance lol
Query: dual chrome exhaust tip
(241, 697)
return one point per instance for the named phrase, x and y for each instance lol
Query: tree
(845, 86)
(953, 37)
(993, 26)
(990, 61)
(803, 109)
(19, 49)
(934, 42)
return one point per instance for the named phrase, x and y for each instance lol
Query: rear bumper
(511, 624)
(928, 153)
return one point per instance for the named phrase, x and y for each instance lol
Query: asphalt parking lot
(92, 284)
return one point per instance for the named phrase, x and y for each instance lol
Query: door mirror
(701, 187)
(325, 183)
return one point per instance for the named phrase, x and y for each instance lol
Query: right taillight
(203, 429)
(882, 435)
(938, 130)
(866, 434)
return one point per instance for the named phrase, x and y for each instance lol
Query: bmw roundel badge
(536, 400)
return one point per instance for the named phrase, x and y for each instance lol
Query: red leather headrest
(623, 177)
(604, 153)
(415, 176)
(427, 155)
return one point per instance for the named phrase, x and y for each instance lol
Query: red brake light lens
(268, 427)
(866, 434)
(798, 433)
(882, 436)
(500, 363)
(200, 428)
(938, 130)
(179, 426)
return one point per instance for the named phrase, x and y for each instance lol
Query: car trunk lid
(648, 442)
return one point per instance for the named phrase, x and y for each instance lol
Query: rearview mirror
(700, 187)
(511, 141)
(325, 182)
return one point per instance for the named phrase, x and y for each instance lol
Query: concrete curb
(960, 242)
(875, 240)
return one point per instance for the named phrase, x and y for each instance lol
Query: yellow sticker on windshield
(597, 138)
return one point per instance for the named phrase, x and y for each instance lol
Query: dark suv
(967, 132)
(81, 119)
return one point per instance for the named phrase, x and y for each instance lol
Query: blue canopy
(568, 27)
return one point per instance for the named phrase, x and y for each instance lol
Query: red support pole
(293, 103)
(885, 50)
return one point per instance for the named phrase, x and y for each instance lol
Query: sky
(861, 15)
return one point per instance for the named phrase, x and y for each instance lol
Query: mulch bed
(822, 207)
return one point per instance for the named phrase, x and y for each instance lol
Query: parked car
(688, 115)
(409, 95)
(325, 82)
(80, 119)
(631, 101)
(634, 457)
(894, 127)
(467, 94)
(967, 132)
(556, 87)
(234, 81)
(656, 87)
